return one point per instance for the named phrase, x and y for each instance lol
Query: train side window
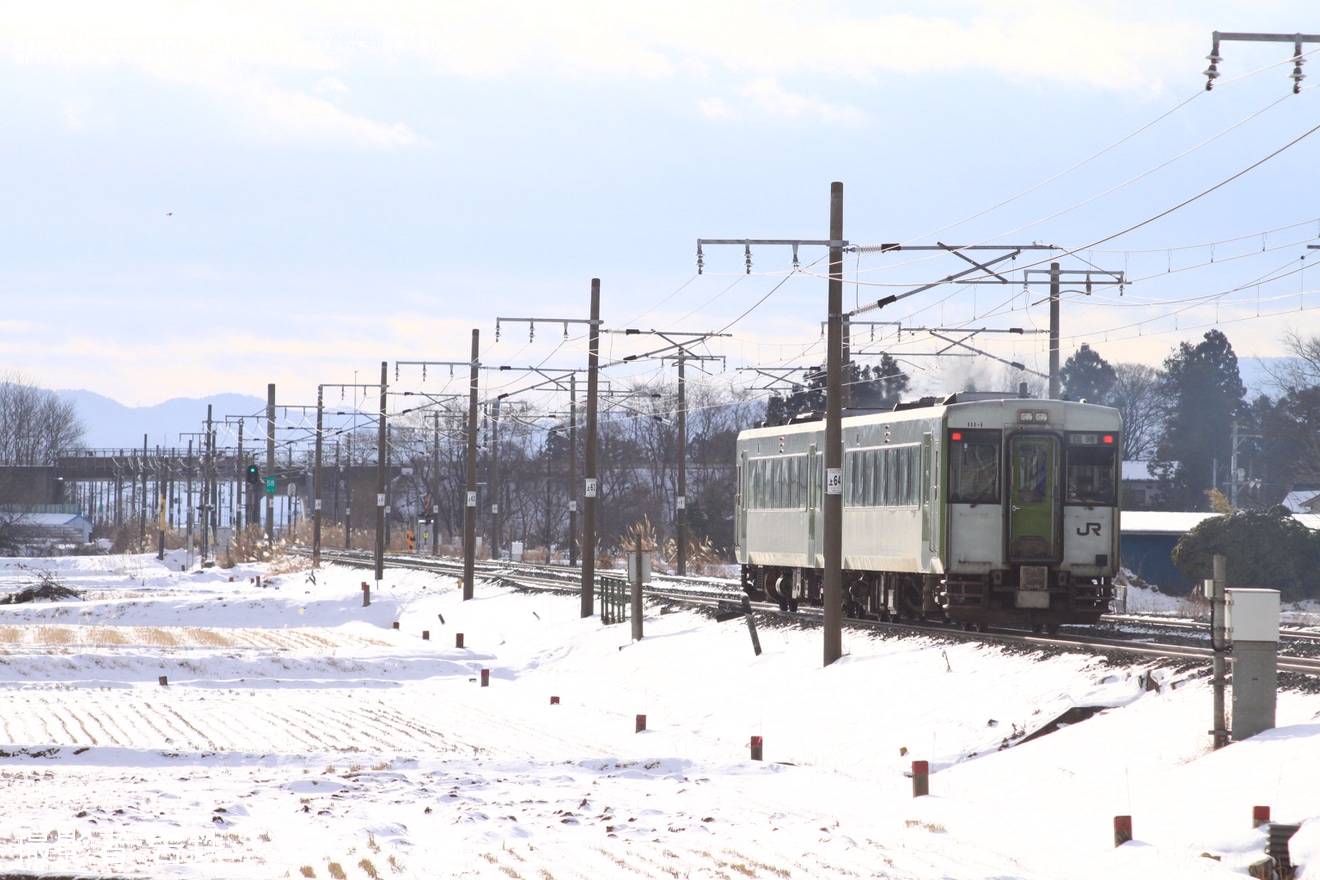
(1091, 475)
(878, 477)
(974, 467)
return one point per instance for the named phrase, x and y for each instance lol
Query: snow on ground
(298, 734)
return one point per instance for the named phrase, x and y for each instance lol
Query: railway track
(1139, 636)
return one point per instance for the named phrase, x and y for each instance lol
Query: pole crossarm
(1212, 72)
(1090, 276)
(959, 343)
(550, 377)
(434, 400)
(676, 343)
(778, 377)
(531, 324)
(893, 298)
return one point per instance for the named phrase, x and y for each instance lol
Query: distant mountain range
(111, 425)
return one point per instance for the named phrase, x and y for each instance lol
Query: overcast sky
(205, 197)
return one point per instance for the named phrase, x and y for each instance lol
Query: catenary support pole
(317, 481)
(572, 471)
(470, 503)
(270, 461)
(435, 487)
(681, 513)
(833, 501)
(589, 479)
(495, 536)
(1054, 331)
(382, 451)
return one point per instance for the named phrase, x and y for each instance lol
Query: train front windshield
(1092, 469)
(974, 466)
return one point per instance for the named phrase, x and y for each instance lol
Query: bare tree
(1301, 369)
(1137, 396)
(35, 424)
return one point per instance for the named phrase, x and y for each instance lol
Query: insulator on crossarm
(423, 372)
(1212, 72)
(531, 331)
(565, 329)
(747, 257)
(796, 265)
(1297, 74)
(497, 331)
(701, 260)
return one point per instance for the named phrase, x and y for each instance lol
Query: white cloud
(714, 108)
(767, 95)
(254, 52)
(330, 84)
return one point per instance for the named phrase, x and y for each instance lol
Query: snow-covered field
(178, 724)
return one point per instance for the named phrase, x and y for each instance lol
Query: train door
(813, 503)
(740, 505)
(930, 506)
(1033, 461)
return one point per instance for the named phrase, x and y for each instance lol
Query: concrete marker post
(458, 640)
(395, 625)
(426, 635)
(641, 724)
(366, 595)
(164, 680)
(920, 778)
(756, 748)
(1122, 830)
(485, 678)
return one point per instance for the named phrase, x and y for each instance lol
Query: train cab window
(973, 467)
(1092, 469)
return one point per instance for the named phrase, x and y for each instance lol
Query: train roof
(925, 408)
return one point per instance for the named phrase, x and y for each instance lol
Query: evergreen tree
(1203, 392)
(1087, 376)
(878, 387)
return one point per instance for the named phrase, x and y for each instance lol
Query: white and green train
(978, 508)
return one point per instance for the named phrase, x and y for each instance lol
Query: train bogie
(979, 509)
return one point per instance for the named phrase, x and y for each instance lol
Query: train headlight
(1033, 416)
